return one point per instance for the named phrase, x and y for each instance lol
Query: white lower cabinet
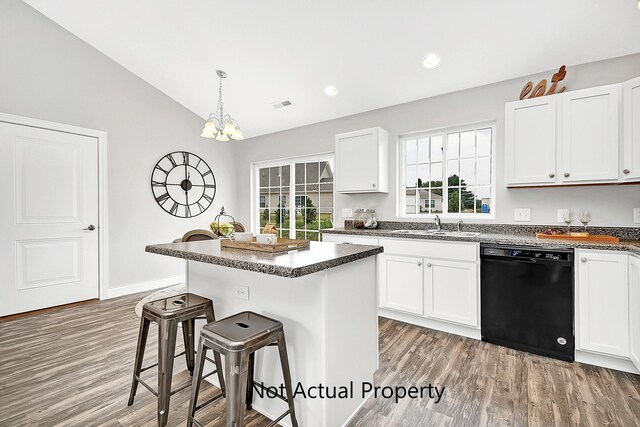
(401, 283)
(451, 291)
(603, 303)
(634, 310)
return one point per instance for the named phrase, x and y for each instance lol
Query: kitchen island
(326, 298)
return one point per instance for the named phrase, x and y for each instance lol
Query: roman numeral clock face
(183, 184)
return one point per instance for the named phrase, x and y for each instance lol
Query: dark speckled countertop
(632, 246)
(320, 256)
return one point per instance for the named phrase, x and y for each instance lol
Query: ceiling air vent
(282, 104)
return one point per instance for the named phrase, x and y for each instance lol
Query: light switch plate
(347, 213)
(522, 214)
(636, 215)
(242, 292)
(561, 214)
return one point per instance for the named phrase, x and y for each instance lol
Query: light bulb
(432, 60)
(237, 134)
(222, 137)
(229, 128)
(210, 125)
(638, 4)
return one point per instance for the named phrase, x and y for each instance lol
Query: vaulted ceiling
(371, 50)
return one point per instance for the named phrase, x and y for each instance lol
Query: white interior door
(49, 194)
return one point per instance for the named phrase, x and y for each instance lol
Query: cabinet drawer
(355, 240)
(454, 251)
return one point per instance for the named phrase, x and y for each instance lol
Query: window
(448, 172)
(311, 182)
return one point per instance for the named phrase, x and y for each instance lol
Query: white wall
(609, 205)
(47, 73)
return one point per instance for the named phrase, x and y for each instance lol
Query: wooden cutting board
(582, 237)
(283, 245)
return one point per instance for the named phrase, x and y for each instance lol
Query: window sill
(478, 217)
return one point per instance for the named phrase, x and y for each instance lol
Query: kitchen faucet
(438, 223)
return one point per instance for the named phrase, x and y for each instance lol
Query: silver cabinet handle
(583, 260)
(626, 171)
(373, 185)
(428, 264)
(90, 228)
(566, 174)
(419, 264)
(551, 175)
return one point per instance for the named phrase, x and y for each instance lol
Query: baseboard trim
(451, 328)
(611, 362)
(144, 286)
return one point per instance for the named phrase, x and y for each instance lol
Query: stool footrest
(156, 364)
(275, 422)
(178, 389)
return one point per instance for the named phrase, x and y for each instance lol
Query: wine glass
(567, 217)
(585, 218)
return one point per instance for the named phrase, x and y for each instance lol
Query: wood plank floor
(72, 367)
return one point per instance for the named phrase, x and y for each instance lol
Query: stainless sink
(443, 233)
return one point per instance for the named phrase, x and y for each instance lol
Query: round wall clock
(183, 184)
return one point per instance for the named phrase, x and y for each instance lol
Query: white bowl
(266, 239)
(243, 236)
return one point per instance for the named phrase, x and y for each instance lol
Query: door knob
(551, 175)
(583, 260)
(90, 228)
(626, 171)
(566, 174)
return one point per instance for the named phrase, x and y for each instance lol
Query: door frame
(101, 138)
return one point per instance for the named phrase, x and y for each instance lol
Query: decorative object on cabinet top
(541, 87)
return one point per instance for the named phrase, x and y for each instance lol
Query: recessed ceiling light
(331, 91)
(432, 60)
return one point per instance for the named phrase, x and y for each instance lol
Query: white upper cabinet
(634, 310)
(603, 303)
(590, 135)
(531, 137)
(362, 161)
(631, 130)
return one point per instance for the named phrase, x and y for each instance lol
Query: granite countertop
(320, 256)
(632, 246)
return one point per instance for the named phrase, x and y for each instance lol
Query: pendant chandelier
(219, 126)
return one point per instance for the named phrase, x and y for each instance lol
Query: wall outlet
(347, 213)
(636, 215)
(242, 292)
(522, 214)
(561, 214)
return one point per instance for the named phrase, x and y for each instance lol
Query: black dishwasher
(526, 299)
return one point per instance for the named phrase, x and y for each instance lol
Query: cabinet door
(530, 141)
(634, 310)
(401, 285)
(590, 135)
(603, 303)
(631, 126)
(451, 291)
(357, 161)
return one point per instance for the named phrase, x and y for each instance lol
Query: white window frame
(291, 161)
(400, 176)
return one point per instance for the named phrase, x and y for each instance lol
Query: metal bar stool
(167, 313)
(237, 338)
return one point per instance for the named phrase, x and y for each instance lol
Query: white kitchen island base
(330, 324)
